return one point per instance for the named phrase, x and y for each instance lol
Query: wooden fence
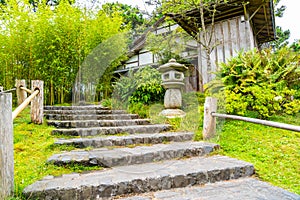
(6, 127)
(210, 115)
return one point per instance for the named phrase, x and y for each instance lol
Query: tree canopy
(51, 45)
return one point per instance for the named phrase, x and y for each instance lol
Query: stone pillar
(6, 147)
(173, 81)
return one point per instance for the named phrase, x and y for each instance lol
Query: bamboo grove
(47, 43)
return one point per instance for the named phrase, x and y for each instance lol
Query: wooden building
(239, 25)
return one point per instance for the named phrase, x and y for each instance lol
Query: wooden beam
(27, 90)
(23, 105)
(259, 121)
(254, 13)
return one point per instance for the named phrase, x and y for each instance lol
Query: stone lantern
(173, 82)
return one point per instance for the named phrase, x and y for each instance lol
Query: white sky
(290, 19)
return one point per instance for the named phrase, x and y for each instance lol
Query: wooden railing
(6, 127)
(210, 115)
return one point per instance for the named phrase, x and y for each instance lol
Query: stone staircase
(141, 160)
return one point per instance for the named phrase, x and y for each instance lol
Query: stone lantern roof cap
(172, 65)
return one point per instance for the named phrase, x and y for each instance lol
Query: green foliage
(166, 46)
(192, 106)
(180, 6)
(264, 82)
(296, 46)
(139, 108)
(148, 86)
(132, 15)
(144, 87)
(273, 152)
(50, 45)
(33, 145)
(107, 103)
(282, 38)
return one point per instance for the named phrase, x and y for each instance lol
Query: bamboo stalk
(259, 121)
(21, 107)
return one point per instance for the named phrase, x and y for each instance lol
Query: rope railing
(210, 115)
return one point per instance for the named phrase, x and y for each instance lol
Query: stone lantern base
(173, 113)
(173, 98)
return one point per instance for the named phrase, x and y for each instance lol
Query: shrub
(263, 82)
(144, 87)
(148, 87)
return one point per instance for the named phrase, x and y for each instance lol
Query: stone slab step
(244, 188)
(89, 107)
(91, 117)
(127, 156)
(84, 112)
(97, 123)
(93, 131)
(139, 178)
(153, 138)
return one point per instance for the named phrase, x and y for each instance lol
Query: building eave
(260, 11)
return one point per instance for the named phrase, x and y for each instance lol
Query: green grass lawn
(33, 145)
(275, 153)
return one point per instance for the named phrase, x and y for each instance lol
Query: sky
(290, 18)
(288, 21)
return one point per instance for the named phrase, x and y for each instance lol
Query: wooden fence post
(21, 94)
(209, 122)
(37, 104)
(6, 147)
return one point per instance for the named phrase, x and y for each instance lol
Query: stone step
(91, 117)
(93, 131)
(97, 123)
(243, 188)
(139, 178)
(153, 138)
(128, 156)
(84, 112)
(89, 107)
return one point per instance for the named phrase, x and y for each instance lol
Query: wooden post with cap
(21, 94)
(209, 122)
(6, 146)
(37, 104)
